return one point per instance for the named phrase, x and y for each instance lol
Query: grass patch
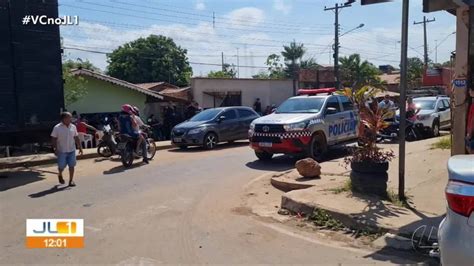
(324, 220)
(392, 197)
(443, 143)
(321, 218)
(345, 188)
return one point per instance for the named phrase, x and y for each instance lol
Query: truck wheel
(435, 129)
(318, 147)
(263, 155)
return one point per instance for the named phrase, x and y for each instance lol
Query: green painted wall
(104, 97)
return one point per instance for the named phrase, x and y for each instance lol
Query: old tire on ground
(369, 167)
(318, 147)
(263, 155)
(369, 182)
(210, 141)
(435, 128)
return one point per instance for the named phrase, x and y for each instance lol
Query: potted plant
(369, 163)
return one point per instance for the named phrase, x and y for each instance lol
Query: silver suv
(435, 113)
(456, 231)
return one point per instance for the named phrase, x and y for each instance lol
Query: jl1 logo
(54, 233)
(61, 228)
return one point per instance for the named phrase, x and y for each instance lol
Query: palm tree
(357, 73)
(292, 54)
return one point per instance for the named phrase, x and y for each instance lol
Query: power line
(173, 21)
(134, 26)
(271, 22)
(153, 58)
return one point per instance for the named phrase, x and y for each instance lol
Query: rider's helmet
(127, 108)
(136, 111)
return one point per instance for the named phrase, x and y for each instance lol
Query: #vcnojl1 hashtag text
(45, 20)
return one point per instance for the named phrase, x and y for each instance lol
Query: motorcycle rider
(127, 125)
(138, 125)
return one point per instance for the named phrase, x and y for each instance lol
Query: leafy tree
(75, 86)
(444, 64)
(261, 75)
(275, 67)
(79, 63)
(356, 73)
(414, 71)
(227, 72)
(309, 64)
(293, 54)
(155, 58)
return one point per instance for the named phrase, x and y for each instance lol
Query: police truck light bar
(314, 91)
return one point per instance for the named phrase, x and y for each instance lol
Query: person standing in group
(64, 140)
(257, 106)
(412, 109)
(388, 105)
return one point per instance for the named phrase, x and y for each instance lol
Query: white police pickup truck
(306, 124)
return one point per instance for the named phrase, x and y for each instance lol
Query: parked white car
(456, 231)
(435, 113)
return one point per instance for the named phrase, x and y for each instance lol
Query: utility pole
(222, 57)
(336, 47)
(213, 20)
(238, 65)
(436, 51)
(403, 90)
(425, 37)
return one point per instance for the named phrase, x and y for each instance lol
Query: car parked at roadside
(456, 231)
(434, 114)
(212, 126)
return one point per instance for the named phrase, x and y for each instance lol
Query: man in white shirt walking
(64, 141)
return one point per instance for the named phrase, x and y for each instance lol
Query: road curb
(346, 219)
(50, 159)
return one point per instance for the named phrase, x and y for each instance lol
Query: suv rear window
(243, 113)
(229, 114)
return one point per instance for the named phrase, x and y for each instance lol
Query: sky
(248, 31)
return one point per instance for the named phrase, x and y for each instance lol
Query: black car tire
(263, 155)
(435, 128)
(318, 147)
(210, 141)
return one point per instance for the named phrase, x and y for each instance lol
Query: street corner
(262, 199)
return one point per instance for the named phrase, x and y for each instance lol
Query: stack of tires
(369, 178)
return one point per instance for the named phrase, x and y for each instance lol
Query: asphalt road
(182, 208)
